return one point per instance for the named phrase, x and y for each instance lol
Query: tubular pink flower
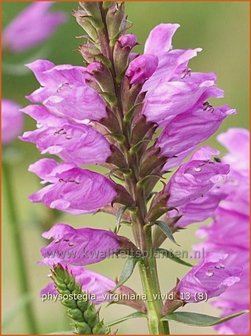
(72, 142)
(64, 91)
(32, 26)
(72, 189)
(195, 178)
(174, 98)
(82, 246)
(187, 130)
(208, 279)
(141, 68)
(199, 209)
(12, 121)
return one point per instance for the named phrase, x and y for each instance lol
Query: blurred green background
(221, 29)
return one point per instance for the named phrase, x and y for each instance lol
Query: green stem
(22, 275)
(141, 232)
(150, 282)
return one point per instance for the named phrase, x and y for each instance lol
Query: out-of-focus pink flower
(64, 91)
(72, 189)
(208, 279)
(32, 26)
(229, 231)
(236, 141)
(72, 142)
(12, 120)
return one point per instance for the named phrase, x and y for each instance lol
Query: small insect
(185, 73)
(208, 107)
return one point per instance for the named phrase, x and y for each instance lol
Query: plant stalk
(141, 231)
(150, 282)
(22, 275)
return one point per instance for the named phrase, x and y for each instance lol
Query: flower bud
(127, 41)
(141, 68)
(99, 329)
(86, 23)
(122, 51)
(91, 316)
(89, 52)
(102, 75)
(92, 9)
(116, 21)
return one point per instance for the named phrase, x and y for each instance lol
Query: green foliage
(200, 320)
(127, 270)
(83, 314)
(173, 257)
(128, 317)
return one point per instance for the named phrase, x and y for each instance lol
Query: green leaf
(127, 271)
(200, 320)
(125, 318)
(167, 231)
(173, 257)
(119, 217)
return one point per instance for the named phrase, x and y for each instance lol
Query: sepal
(116, 21)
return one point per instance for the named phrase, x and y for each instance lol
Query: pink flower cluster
(229, 231)
(77, 122)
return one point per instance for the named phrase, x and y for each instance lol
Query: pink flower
(64, 91)
(12, 121)
(208, 279)
(177, 99)
(92, 283)
(72, 189)
(78, 246)
(199, 209)
(172, 98)
(159, 40)
(31, 27)
(72, 142)
(172, 63)
(195, 178)
(183, 133)
(141, 68)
